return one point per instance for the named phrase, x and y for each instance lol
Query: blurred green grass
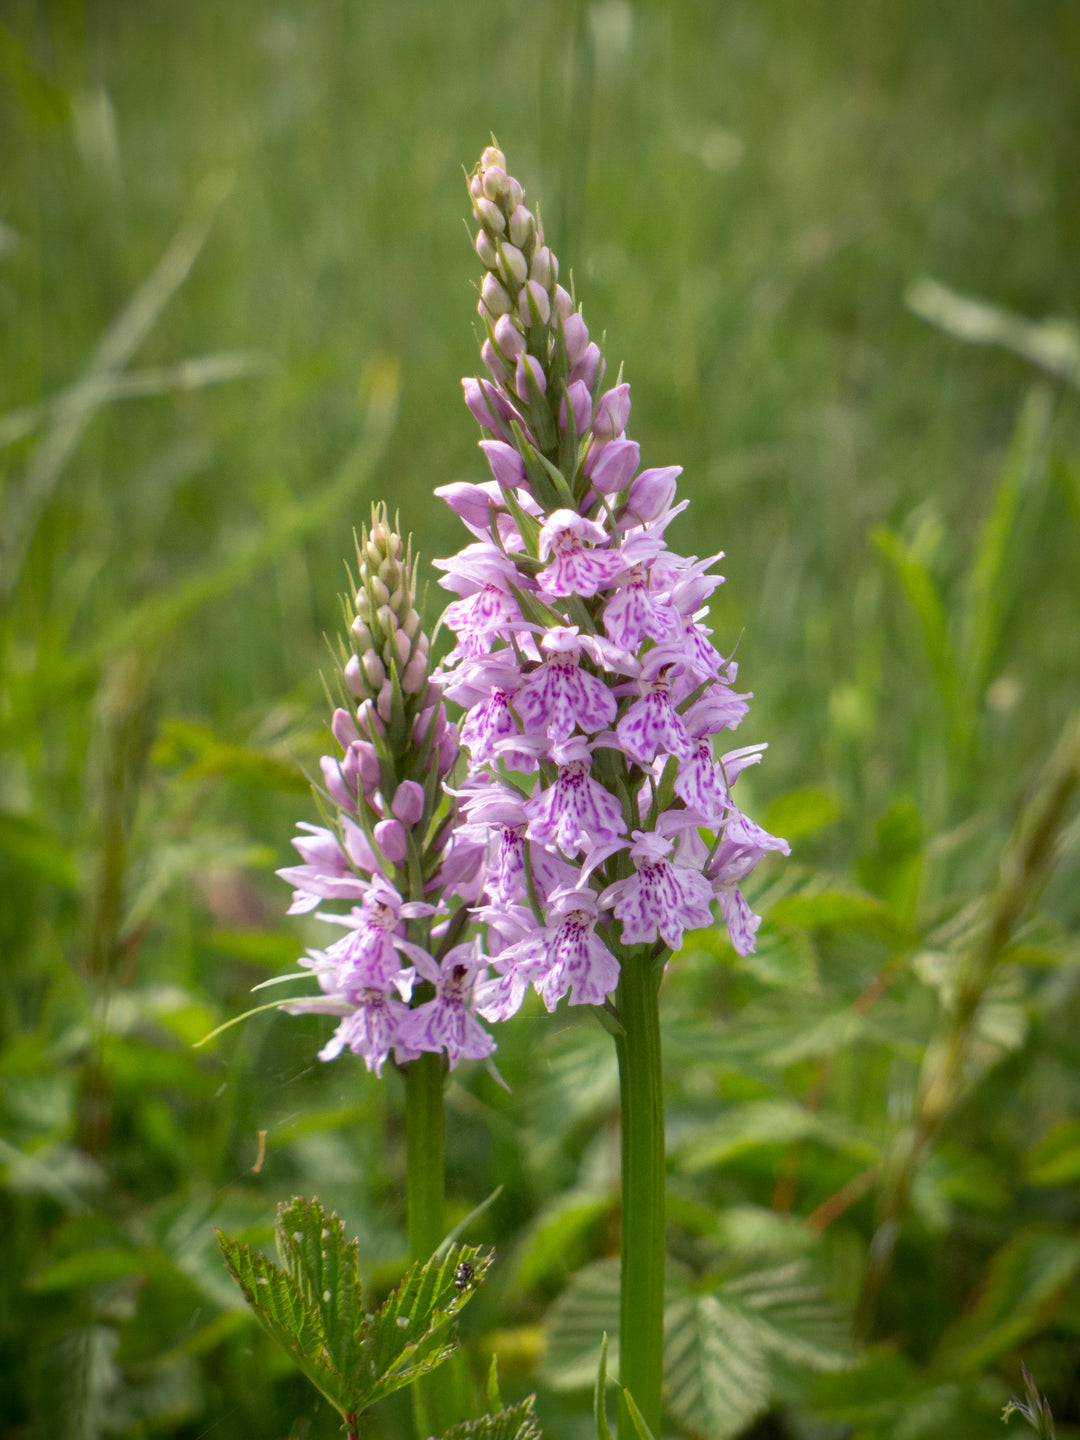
(744, 194)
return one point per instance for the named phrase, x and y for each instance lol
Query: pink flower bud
(354, 678)
(391, 841)
(403, 646)
(385, 703)
(485, 248)
(533, 295)
(374, 670)
(529, 364)
(490, 216)
(335, 784)
(495, 182)
(514, 193)
(506, 464)
(500, 371)
(545, 268)
(581, 400)
(343, 728)
(612, 412)
(476, 187)
(589, 366)
(447, 753)
(652, 492)
(512, 266)
(408, 802)
(564, 302)
(615, 466)
(492, 156)
(476, 400)
(367, 760)
(412, 680)
(522, 225)
(509, 338)
(576, 336)
(494, 296)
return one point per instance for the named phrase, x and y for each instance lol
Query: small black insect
(463, 1275)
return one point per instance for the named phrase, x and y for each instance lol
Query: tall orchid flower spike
(393, 853)
(593, 694)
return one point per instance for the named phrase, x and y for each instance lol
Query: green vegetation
(834, 247)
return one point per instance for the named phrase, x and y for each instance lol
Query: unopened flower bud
(343, 728)
(579, 398)
(545, 268)
(515, 194)
(589, 366)
(476, 187)
(506, 464)
(492, 156)
(494, 296)
(414, 675)
(612, 412)
(576, 336)
(533, 296)
(374, 670)
(509, 338)
(522, 226)
(614, 466)
(490, 216)
(491, 356)
(385, 702)
(408, 802)
(379, 592)
(485, 248)
(564, 302)
(390, 841)
(652, 492)
(512, 266)
(361, 633)
(354, 677)
(528, 365)
(495, 186)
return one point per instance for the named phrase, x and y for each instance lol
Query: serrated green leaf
(277, 1300)
(513, 1422)
(403, 1339)
(793, 1317)
(324, 1264)
(715, 1367)
(587, 1310)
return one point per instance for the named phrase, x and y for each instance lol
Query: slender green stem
(424, 1080)
(435, 1406)
(641, 1318)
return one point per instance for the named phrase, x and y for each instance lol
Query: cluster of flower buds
(393, 849)
(591, 688)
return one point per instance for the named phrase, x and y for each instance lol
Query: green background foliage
(236, 304)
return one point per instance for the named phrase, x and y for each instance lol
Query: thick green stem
(424, 1080)
(641, 1317)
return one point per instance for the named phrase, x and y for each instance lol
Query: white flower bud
(495, 185)
(476, 187)
(516, 194)
(540, 300)
(361, 634)
(374, 670)
(485, 248)
(490, 216)
(492, 156)
(494, 296)
(403, 646)
(387, 619)
(379, 593)
(415, 676)
(397, 600)
(522, 226)
(564, 304)
(412, 624)
(512, 266)
(545, 267)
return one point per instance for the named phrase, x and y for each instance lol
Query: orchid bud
(509, 338)
(522, 226)
(408, 802)
(533, 296)
(485, 248)
(494, 296)
(490, 216)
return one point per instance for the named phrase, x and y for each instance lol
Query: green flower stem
(424, 1080)
(434, 1408)
(641, 1317)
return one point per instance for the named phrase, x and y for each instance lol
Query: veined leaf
(715, 1367)
(513, 1422)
